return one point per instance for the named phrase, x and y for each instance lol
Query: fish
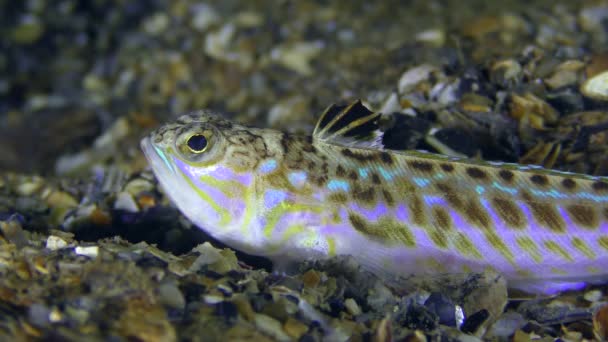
(399, 214)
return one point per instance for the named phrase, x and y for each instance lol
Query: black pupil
(197, 143)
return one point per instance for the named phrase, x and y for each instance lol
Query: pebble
(55, 242)
(203, 17)
(352, 307)
(171, 296)
(506, 73)
(506, 325)
(156, 24)
(271, 327)
(124, 201)
(600, 323)
(593, 296)
(88, 251)
(411, 78)
(294, 329)
(297, 56)
(596, 87)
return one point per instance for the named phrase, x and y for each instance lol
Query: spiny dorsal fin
(351, 125)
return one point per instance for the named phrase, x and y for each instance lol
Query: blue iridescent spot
(297, 178)
(273, 197)
(386, 174)
(337, 185)
(480, 189)
(421, 182)
(596, 198)
(363, 172)
(268, 166)
(512, 191)
(550, 193)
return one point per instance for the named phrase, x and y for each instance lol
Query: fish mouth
(174, 184)
(164, 171)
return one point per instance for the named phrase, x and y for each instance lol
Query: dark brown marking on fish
(447, 167)
(545, 214)
(476, 214)
(361, 157)
(509, 212)
(416, 206)
(442, 218)
(353, 175)
(506, 175)
(606, 214)
(338, 197)
(340, 172)
(451, 196)
(386, 158)
(320, 180)
(477, 173)
(367, 195)
(583, 215)
(422, 166)
(603, 242)
(540, 180)
(375, 178)
(600, 186)
(388, 198)
(385, 230)
(569, 183)
(438, 238)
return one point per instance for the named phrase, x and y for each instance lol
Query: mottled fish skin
(291, 197)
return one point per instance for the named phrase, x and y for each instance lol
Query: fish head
(206, 166)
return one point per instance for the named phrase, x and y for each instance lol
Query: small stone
(411, 78)
(88, 251)
(521, 336)
(244, 308)
(297, 56)
(311, 278)
(38, 315)
(294, 329)
(55, 242)
(443, 307)
(137, 186)
(203, 17)
(593, 296)
(171, 296)
(532, 109)
(506, 72)
(352, 307)
(29, 187)
(433, 37)
(124, 201)
(29, 30)
(156, 24)
(596, 87)
(506, 325)
(271, 327)
(566, 74)
(600, 323)
(13, 232)
(61, 199)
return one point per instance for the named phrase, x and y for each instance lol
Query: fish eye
(197, 143)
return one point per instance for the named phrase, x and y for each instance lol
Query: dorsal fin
(353, 125)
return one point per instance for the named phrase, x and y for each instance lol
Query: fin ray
(353, 125)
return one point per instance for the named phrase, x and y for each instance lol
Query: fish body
(339, 192)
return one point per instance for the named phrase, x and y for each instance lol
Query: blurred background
(82, 81)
